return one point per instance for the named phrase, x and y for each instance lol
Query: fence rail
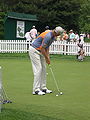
(57, 47)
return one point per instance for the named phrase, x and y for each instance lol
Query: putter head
(60, 93)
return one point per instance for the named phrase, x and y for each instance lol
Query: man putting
(39, 54)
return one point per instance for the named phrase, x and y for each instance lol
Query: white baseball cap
(71, 30)
(59, 30)
(33, 26)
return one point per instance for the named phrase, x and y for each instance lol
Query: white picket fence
(69, 48)
(13, 46)
(57, 47)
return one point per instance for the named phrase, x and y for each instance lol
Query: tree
(3, 8)
(2, 15)
(84, 19)
(70, 14)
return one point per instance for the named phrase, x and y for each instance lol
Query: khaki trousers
(39, 69)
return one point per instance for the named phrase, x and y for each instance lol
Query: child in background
(81, 52)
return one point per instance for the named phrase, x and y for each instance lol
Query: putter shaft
(54, 79)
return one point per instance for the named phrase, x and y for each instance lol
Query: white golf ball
(61, 93)
(56, 95)
(47, 73)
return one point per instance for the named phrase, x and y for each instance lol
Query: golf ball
(56, 95)
(47, 73)
(61, 93)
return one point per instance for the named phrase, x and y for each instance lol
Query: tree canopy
(70, 14)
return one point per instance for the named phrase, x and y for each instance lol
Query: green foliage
(70, 14)
(84, 21)
(63, 13)
(86, 27)
(2, 15)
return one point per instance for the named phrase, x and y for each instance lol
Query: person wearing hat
(39, 55)
(71, 36)
(33, 33)
(47, 29)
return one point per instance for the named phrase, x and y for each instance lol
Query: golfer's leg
(43, 74)
(36, 65)
(43, 77)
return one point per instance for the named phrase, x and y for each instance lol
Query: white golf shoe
(47, 91)
(39, 93)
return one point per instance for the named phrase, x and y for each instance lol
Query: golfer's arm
(45, 53)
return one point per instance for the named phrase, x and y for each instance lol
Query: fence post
(65, 48)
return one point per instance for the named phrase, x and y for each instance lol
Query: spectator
(28, 39)
(81, 40)
(65, 40)
(71, 36)
(81, 52)
(38, 33)
(47, 29)
(88, 35)
(76, 37)
(65, 36)
(33, 33)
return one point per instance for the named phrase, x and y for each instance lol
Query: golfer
(39, 54)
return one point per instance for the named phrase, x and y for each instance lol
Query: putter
(59, 92)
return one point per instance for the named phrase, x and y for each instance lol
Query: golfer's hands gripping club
(48, 60)
(45, 52)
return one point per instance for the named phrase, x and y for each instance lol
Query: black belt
(38, 50)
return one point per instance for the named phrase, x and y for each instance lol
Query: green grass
(73, 78)
(14, 55)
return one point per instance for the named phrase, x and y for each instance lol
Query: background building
(17, 24)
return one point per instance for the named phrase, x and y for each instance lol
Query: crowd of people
(70, 36)
(75, 37)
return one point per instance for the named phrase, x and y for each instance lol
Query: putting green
(72, 77)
